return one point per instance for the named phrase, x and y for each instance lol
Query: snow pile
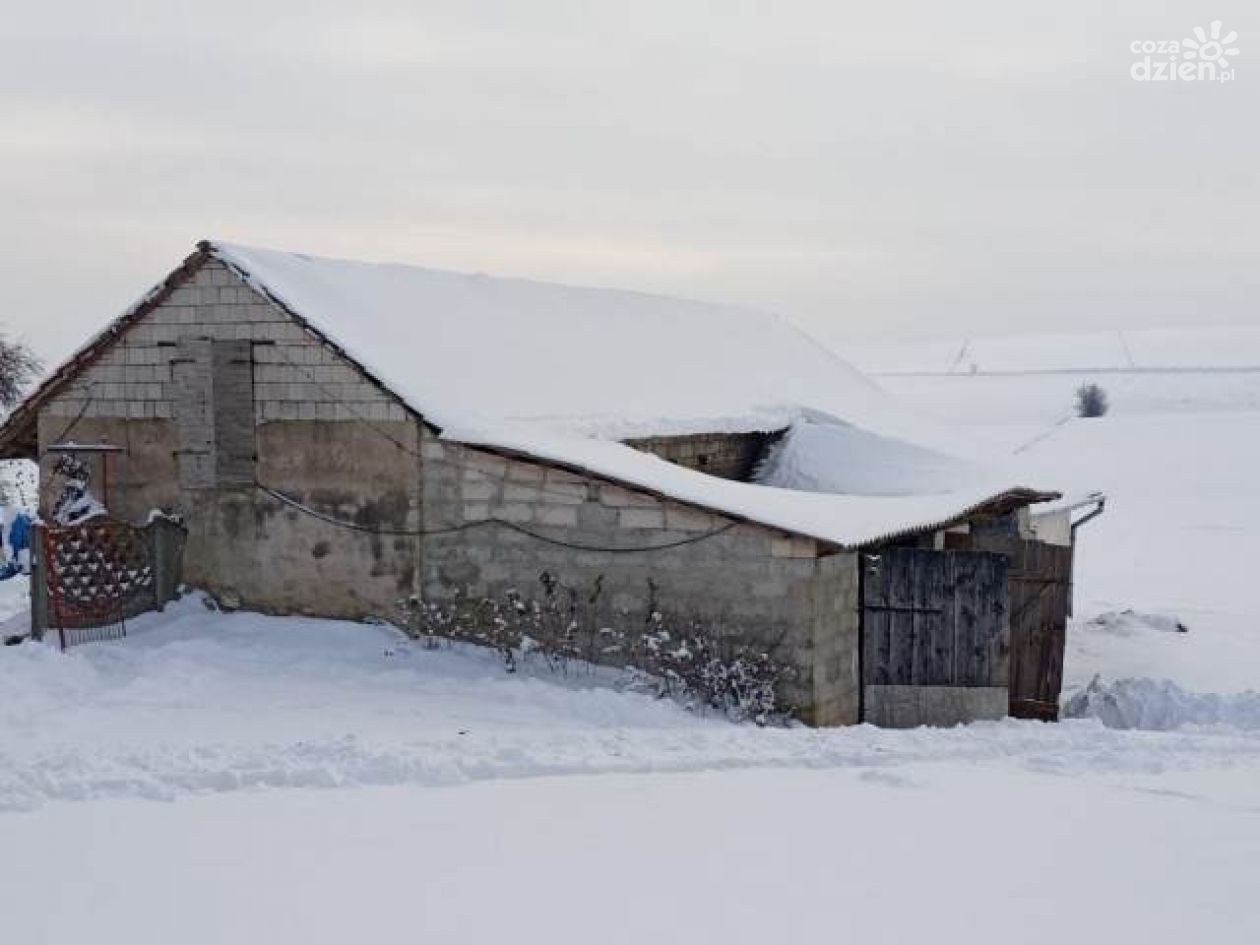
(1161, 705)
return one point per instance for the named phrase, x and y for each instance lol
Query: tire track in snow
(1082, 747)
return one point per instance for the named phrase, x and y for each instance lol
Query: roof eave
(1001, 504)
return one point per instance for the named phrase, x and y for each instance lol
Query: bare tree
(1091, 401)
(18, 367)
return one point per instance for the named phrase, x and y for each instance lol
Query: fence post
(39, 584)
(166, 571)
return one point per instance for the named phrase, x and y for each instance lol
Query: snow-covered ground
(332, 782)
(196, 702)
(1180, 538)
(917, 852)
(233, 777)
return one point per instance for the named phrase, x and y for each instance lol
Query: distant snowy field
(1177, 455)
(238, 778)
(1033, 379)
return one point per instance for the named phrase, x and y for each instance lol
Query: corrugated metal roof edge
(1006, 501)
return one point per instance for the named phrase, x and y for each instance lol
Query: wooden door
(1041, 591)
(934, 618)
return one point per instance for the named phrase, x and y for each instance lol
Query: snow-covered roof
(561, 372)
(818, 454)
(463, 349)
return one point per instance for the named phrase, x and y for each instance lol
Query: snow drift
(1161, 705)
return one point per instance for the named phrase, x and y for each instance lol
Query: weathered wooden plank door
(1040, 599)
(1040, 578)
(932, 619)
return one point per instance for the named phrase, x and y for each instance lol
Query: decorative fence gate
(89, 579)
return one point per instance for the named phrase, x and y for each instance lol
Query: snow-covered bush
(740, 681)
(568, 630)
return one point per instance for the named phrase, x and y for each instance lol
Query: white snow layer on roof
(463, 349)
(545, 370)
(833, 457)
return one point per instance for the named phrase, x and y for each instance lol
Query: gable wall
(313, 441)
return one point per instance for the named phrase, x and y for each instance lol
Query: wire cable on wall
(481, 523)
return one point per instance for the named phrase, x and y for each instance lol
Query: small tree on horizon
(18, 367)
(1091, 401)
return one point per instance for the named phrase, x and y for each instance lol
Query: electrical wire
(481, 523)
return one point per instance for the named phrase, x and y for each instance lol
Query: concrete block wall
(325, 435)
(727, 455)
(751, 585)
(295, 377)
(837, 641)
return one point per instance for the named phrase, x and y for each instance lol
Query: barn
(612, 474)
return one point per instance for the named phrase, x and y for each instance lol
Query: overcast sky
(874, 169)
